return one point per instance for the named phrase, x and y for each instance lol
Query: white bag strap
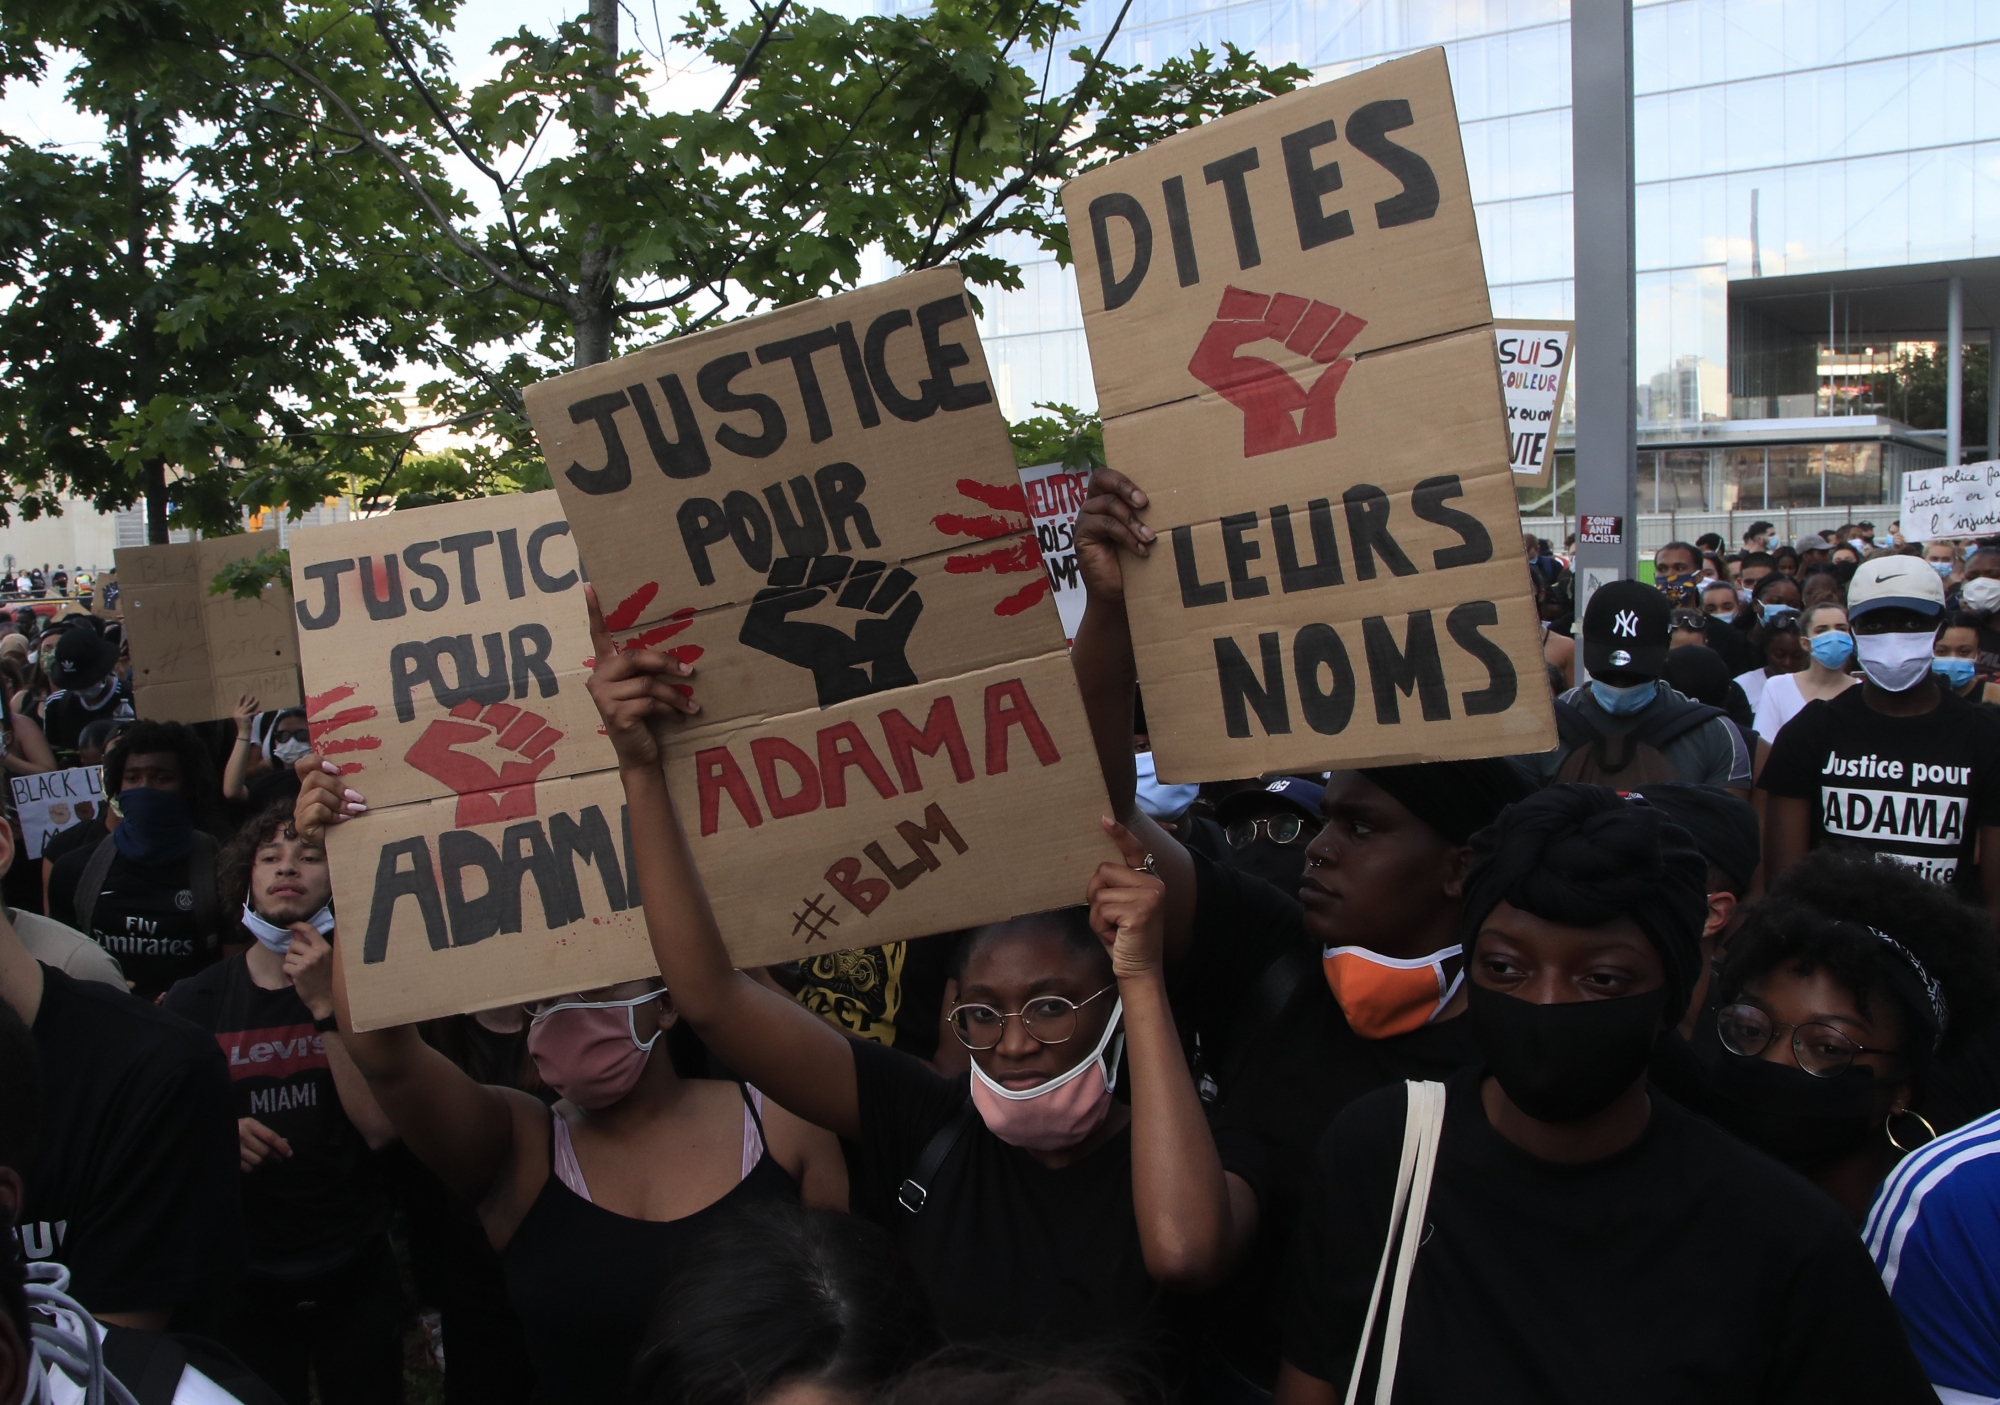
(1422, 1128)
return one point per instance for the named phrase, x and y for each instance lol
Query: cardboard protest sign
(53, 801)
(194, 654)
(822, 506)
(1055, 495)
(1329, 587)
(1942, 504)
(1534, 369)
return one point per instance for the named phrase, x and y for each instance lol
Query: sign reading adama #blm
(1294, 356)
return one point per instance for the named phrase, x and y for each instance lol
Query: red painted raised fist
(486, 794)
(1278, 412)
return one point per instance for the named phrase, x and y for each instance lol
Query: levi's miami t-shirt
(1913, 789)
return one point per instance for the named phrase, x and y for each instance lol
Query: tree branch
(766, 29)
(360, 130)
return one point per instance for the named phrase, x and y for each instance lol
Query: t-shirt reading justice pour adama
(1915, 789)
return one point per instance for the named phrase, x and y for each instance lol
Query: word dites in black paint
(1309, 180)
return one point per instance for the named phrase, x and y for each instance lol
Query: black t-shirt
(1284, 1075)
(1685, 1268)
(135, 1184)
(1008, 1250)
(315, 1210)
(1915, 789)
(144, 916)
(64, 715)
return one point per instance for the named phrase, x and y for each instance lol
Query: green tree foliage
(1066, 435)
(1913, 391)
(307, 238)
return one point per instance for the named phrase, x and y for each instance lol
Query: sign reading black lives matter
(1294, 357)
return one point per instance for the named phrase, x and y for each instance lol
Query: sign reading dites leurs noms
(820, 508)
(1294, 357)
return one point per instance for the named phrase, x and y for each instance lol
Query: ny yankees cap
(1625, 631)
(1895, 580)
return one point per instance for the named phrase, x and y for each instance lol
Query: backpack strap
(95, 870)
(202, 856)
(1573, 729)
(1676, 719)
(914, 1193)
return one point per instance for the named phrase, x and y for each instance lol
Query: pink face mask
(589, 1050)
(1055, 1115)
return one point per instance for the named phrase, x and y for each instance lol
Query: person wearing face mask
(259, 772)
(1956, 659)
(593, 1204)
(1628, 726)
(1033, 1205)
(1581, 1234)
(321, 1299)
(1900, 765)
(86, 689)
(1719, 608)
(1850, 985)
(1979, 596)
(1268, 828)
(1298, 1007)
(147, 891)
(1829, 672)
(1942, 557)
(1677, 574)
(1774, 603)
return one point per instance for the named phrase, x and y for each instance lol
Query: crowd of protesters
(1662, 1066)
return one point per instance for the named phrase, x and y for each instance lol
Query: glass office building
(1810, 173)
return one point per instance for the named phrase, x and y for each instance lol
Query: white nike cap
(1902, 581)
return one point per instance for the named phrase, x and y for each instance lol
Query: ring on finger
(1151, 866)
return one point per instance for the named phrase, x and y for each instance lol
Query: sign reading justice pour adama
(1294, 356)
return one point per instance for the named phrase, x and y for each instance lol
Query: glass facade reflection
(1774, 137)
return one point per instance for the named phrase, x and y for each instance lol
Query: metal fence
(1656, 529)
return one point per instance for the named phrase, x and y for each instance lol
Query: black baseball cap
(1625, 632)
(83, 657)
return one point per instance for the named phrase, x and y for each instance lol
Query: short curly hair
(239, 855)
(1818, 917)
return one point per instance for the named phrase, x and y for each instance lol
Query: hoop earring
(1889, 1129)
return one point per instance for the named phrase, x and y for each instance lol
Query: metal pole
(1607, 434)
(1992, 395)
(1954, 374)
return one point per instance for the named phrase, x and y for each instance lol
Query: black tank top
(582, 1279)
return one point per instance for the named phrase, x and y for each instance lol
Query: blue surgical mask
(1156, 798)
(1955, 672)
(1943, 568)
(1833, 649)
(1623, 702)
(1778, 614)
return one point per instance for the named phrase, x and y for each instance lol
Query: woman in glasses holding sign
(594, 1203)
(1034, 1206)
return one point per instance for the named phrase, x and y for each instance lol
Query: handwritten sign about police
(1294, 356)
(193, 653)
(53, 801)
(1055, 495)
(1534, 369)
(1941, 504)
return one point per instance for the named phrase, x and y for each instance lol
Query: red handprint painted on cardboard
(1017, 558)
(321, 724)
(486, 794)
(1278, 412)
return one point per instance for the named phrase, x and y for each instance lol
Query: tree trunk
(156, 502)
(592, 322)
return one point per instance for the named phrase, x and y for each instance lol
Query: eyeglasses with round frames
(1283, 829)
(1050, 1019)
(1821, 1050)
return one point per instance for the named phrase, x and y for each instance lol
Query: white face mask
(1981, 594)
(1895, 662)
(289, 752)
(279, 939)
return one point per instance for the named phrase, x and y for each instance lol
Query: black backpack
(1634, 759)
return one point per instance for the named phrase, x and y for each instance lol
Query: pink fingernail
(352, 795)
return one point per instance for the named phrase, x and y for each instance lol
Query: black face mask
(1801, 1119)
(1281, 865)
(1563, 1063)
